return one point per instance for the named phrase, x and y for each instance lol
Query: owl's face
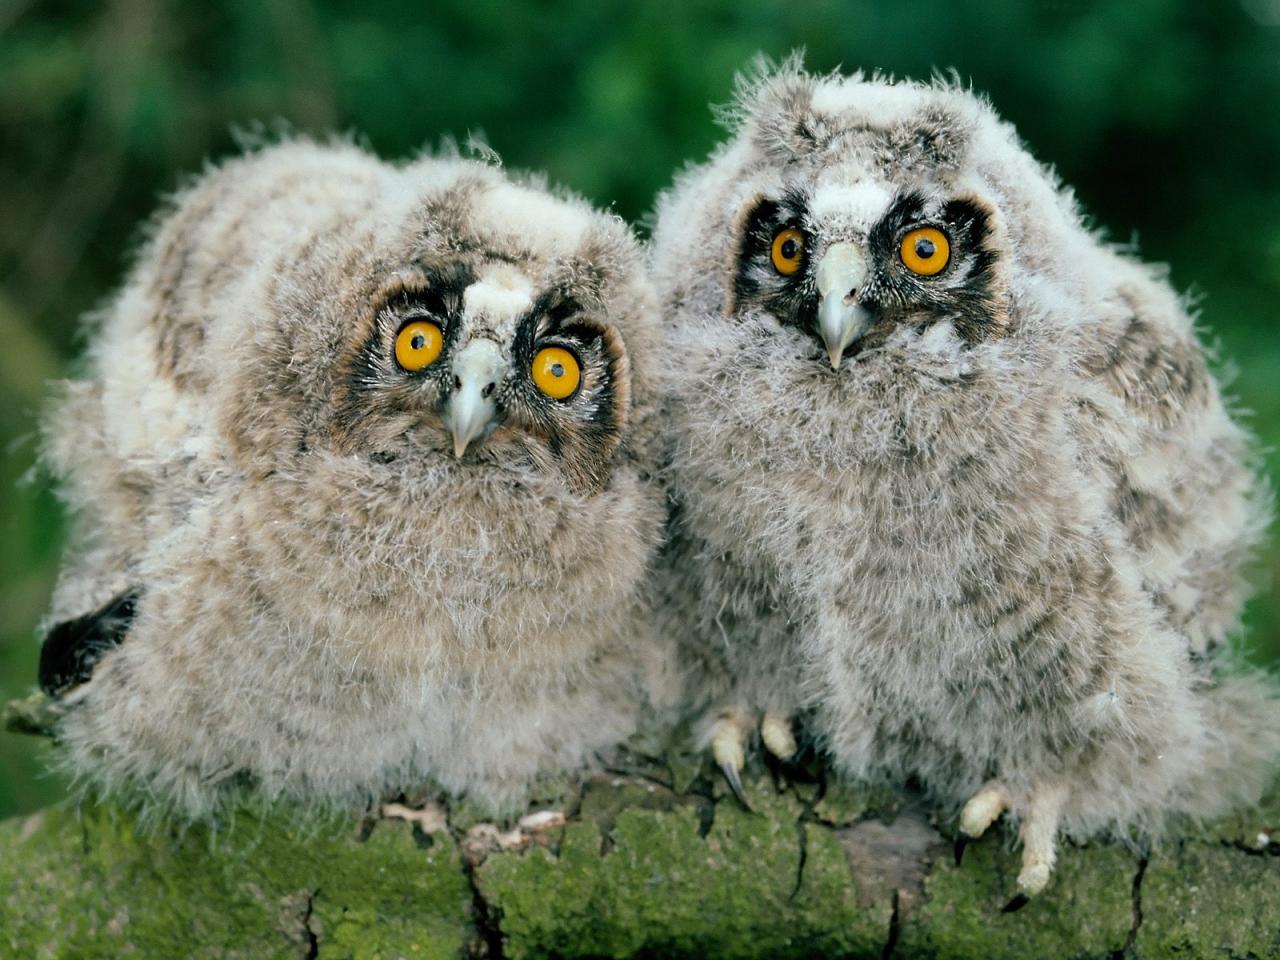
(466, 328)
(480, 363)
(849, 258)
(852, 214)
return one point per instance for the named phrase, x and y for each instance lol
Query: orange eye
(925, 251)
(418, 344)
(555, 372)
(788, 251)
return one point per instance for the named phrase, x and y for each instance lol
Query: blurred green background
(1164, 115)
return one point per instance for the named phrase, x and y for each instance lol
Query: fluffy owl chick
(958, 474)
(361, 476)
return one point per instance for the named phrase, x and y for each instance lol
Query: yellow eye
(555, 372)
(925, 251)
(787, 251)
(418, 344)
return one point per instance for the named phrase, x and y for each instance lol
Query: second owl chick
(952, 473)
(361, 473)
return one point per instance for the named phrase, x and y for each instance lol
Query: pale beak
(841, 319)
(477, 369)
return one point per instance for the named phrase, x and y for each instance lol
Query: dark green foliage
(1162, 113)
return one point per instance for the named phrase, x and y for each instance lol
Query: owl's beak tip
(470, 418)
(841, 324)
(471, 411)
(841, 318)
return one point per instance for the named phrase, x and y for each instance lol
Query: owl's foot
(729, 748)
(729, 735)
(775, 731)
(1038, 831)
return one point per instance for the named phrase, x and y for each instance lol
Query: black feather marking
(1016, 904)
(792, 299)
(73, 648)
(968, 290)
(581, 430)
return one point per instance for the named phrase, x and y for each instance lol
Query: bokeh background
(1164, 115)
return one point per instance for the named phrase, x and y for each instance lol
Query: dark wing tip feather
(72, 648)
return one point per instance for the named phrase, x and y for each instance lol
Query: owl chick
(361, 476)
(951, 473)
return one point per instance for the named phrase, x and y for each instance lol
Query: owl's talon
(735, 783)
(983, 809)
(775, 731)
(728, 747)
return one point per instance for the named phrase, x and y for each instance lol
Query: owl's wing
(1179, 467)
(123, 441)
(73, 648)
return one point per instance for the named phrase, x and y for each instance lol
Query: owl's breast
(464, 566)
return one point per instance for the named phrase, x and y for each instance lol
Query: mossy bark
(650, 860)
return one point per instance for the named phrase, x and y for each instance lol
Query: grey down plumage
(985, 526)
(350, 578)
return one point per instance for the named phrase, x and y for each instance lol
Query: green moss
(604, 798)
(846, 921)
(638, 871)
(767, 797)
(844, 803)
(684, 768)
(661, 889)
(89, 885)
(1086, 911)
(1246, 828)
(1207, 900)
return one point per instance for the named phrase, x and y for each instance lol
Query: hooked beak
(841, 319)
(477, 370)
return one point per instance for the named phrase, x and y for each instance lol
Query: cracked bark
(651, 860)
(312, 941)
(487, 943)
(891, 940)
(1132, 937)
(296, 913)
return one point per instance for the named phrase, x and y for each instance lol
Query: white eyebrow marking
(497, 300)
(858, 206)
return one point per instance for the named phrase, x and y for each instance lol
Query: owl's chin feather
(507, 453)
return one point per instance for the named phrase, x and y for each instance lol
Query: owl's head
(457, 321)
(849, 210)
